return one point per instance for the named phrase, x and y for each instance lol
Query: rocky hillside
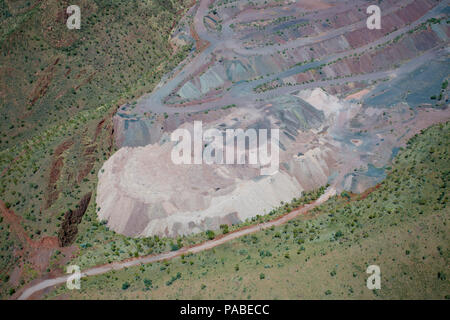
(59, 89)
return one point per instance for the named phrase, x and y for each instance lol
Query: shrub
(210, 234)
(147, 282)
(224, 228)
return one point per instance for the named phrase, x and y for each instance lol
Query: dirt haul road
(154, 102)
(27, 293)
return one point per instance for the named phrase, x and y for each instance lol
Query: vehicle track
(28, 292)
(154, 102)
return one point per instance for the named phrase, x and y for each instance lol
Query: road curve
(154, 102)
(28, 292)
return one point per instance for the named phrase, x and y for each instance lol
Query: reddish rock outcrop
(72, 218)
(55, 172)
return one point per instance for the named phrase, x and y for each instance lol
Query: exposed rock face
(72, 218)
(141, 192)
(273, 67)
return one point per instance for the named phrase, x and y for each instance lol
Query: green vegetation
(57, 105)
(229, 106)
(121, 50)
(402, 226)
(99, 245)
(210, 234)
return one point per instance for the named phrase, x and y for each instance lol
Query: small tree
(224, 228)
(210, 234)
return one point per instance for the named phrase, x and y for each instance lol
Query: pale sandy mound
(141, 193)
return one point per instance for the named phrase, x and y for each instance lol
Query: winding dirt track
(28, 292)
(154, 102)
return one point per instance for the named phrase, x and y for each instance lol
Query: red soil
(42, 84)
(55, 172)
(37, 253)
(200, 44)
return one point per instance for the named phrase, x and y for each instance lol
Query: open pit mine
(344, 98)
